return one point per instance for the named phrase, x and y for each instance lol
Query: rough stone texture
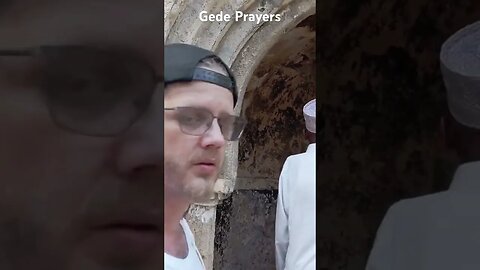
(242, 45)
(273, 102)
(381, 98)
(249, 242)
(205, 215)
(280, 86)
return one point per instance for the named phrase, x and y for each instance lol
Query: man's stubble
(180, 182)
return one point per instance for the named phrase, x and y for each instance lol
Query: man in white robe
(295, 217)
(442, 230)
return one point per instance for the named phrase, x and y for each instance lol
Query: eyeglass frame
(37, 50)
(213, 117)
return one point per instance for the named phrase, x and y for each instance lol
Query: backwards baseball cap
(182, 65)
(460, 65)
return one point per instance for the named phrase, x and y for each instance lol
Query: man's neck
(175, 242)
(174, 211)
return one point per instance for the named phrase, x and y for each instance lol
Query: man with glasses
(81, 147)
(200, 95)
(442, 231)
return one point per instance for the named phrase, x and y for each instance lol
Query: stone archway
(279, 87)
(242, 45)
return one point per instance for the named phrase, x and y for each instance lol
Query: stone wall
(280, 86)
(273, 102)
(243, 45)
(380, 96)
(244, 237)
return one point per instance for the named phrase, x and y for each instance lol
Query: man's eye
(189, 119)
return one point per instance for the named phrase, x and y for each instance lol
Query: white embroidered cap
(460, 65)
(309, 113)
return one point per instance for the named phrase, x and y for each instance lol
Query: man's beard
(196, 189)
(200, 189)
(26, 245)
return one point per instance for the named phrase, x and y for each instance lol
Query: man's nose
(213, 137)
(141, 147)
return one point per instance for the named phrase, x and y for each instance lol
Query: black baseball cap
(181, 65)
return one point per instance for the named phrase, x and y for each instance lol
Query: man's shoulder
(309, 154)
(420, 207)
(424, 200)
(298, 157)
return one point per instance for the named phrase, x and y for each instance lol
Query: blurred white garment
(434, 232)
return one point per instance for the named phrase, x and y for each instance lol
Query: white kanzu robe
(434, 232)
(295, 218)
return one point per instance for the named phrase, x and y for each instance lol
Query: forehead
(200, 94)
(128, 24)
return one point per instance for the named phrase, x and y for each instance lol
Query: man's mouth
(132, 238)
(206, 164)
(133, 227)
(136, 220)
(136, 236)
(206, 167)
(131, 230)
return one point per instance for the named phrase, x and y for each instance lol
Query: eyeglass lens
(95, 92)
(196, 121)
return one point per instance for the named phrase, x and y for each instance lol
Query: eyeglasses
(92, 91)
(196, 121)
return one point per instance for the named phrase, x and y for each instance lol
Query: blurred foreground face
(81, 159)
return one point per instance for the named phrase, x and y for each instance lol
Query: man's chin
(201, 190)
(202, 196)
(205, 198)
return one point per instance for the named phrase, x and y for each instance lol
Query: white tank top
(193, 261)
